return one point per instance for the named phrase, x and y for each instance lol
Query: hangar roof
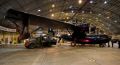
(105, 14)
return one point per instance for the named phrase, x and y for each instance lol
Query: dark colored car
(40, 42)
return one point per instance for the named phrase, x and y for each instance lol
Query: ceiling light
(90, 12)
(67, 17)
(53, 5)
(108, 17)
(115, 21)
(66, 14)
(90, 19)
(105, 2)
(82, 18)
(50, 10)
(99, 14)
(52, 15)
(72, 11)
(80, 1)
(70, 6)
(91, 1)
(39, 10)
(83, 11)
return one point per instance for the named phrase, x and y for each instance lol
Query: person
(51, 32)
(59, 39)
(119, 44)
(114, 41)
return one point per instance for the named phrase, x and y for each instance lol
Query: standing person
(119, 44)
(59, 39)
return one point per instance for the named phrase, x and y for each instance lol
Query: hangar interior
(102, 17)
(104, 14)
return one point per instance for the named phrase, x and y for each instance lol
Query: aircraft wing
(23, 20)
(30, 19)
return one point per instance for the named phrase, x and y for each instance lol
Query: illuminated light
(83, 11)
(66, 14)
(99, 14)
(39, 10)
(82, 18)
(67, 17)
(70, 6)
(115, 21)
(80, 1)
(53, 5)
(90, 19)
(90, 12)
(108, 17)
(52, 15)
(105, 2)
(104, 33)
(91, 1)
(72, 11)
(69, 34)
(51, 10)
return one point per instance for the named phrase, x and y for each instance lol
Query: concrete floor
(63, 55)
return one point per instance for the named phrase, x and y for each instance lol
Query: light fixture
(52, 15)
(90, 12)
(91, 1)
(90, 19)
(99, 14)
(66, 14)
(50, 10)
(82, 18)
(53, 5)
(105, 2)
(115, 21)
(67, 17)
(70, 6)
(80, 1)
(72, 11)
(83, 11)
(39, 10)
(108, 17)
